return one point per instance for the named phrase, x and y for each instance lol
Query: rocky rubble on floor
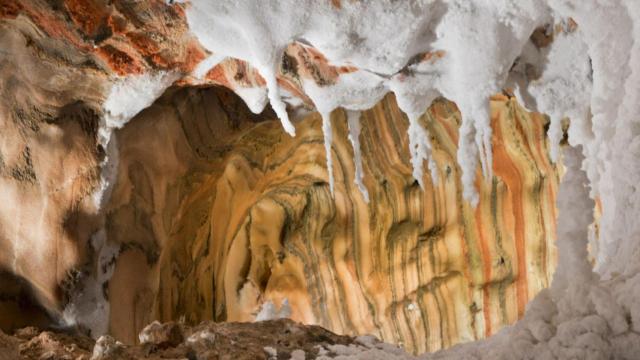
(273, 339)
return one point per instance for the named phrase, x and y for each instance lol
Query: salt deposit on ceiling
(382, 40)
(589, 73)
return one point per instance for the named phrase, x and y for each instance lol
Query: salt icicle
(555, 136)
(269, 74)
(328, 139)
(467, 159)
(353, 119)
(481, 116)
(420, 150)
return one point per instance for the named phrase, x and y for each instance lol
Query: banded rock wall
(218, 211)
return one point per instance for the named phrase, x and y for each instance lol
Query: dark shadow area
(18, 305)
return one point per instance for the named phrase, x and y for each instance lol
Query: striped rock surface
(218, 211)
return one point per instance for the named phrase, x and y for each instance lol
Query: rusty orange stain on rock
(88, 15)
(504, 167)
(9, 9)
(119, 61)
(434, 56)
(117, 23)
(143, 43)
(217, 76)
(53, 25)
(194, 54)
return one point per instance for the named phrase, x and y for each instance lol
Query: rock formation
(199, 209)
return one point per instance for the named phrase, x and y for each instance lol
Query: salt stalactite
(273, 91)
(475, 72)
(353, 119)
(420, 150)
(564, 89)
(468, 159)
(268, 311)
(483, 140)
(555, 136)
(380, 49)
(575, 209)
(328, 98)
(232, 29)
(328, 139)
(470, 74)
(255, 97)
(414, 96)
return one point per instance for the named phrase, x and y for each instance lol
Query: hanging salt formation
(273, 91)
(420, 150)
(231, 29)
(564, 90)
(353, 118)
(328, 139)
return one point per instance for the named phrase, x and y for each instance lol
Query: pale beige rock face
(48, 167)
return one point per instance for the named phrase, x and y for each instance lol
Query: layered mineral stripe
(253, 220)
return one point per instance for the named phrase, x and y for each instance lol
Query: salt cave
(302, 179)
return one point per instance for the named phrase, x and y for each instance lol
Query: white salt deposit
(255, 98)
(381, 38)
(353, 118)
(268, 311)
(88, 305)
(328, 139)
(298, 355)
(272, 352)
(420, 150)
(130, 95)
(564, 90)
(127, 97)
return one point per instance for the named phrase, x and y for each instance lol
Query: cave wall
(217, 211)
(48, 168)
